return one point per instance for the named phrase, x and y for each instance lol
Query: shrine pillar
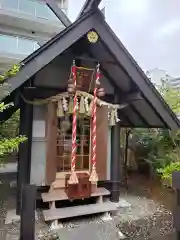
(115, 162)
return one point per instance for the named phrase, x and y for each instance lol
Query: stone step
(68, 212)
(59, 194)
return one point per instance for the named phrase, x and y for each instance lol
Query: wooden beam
(89, 5)
(127, 120)
(24, 155)
(130, 97)
(41, 92)
(58, 12)
(140, 116)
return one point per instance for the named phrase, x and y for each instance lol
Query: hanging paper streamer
(73, 178)
(112, 121)
(94, 177)
(116, 116)
(70, 105)
(90, 110)
(82, 106)
(65, 104)
(86, 104)
(77, 105)
(109, 114)
(60, 111)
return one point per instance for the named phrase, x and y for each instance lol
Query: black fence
(28, 207)
(176, 213)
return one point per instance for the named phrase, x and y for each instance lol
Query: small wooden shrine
(76, 131)
(74, 94)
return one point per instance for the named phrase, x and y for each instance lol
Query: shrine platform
(101, 204)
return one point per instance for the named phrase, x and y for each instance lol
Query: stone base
(96, 231)
(106, 217)
(12, 217)
(123, 203)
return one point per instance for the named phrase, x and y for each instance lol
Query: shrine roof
(116, 64)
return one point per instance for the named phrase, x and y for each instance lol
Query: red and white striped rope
(94, 129)
(94, 175)
(74, 147)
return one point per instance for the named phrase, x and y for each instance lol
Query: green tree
(9, 139)
(160, 147)
(171, 96)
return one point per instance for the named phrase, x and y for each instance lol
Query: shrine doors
(64, 144)
(59, 143)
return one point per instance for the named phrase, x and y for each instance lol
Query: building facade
(175, 82)
(157, 75)
(24, 25)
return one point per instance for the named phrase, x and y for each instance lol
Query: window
(17, 45)
(25, 46)
(43, 11)
(64, 144)
(27, 7)
(8, 44)
(34, 8)
(10, 4)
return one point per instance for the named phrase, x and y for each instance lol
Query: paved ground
(145, 218)
(8, 168)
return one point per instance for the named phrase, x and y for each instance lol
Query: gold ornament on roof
(92, 37)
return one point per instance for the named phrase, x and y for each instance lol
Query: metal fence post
(28, 207)
(176, 214)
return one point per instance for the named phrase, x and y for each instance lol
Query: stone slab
(55, 195)
(59, 194)
(11, 217)
(103, 231)
(62, 213)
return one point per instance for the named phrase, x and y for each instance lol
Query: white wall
(38, 150)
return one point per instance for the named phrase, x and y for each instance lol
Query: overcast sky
(149, 29)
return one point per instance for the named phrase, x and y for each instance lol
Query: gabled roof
(89, 5)
(51, 49)
(120, 68)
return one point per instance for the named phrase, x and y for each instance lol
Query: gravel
(145, 219)
(142, 218)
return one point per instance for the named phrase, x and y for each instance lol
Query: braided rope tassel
(94, 177)
(73, 178)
